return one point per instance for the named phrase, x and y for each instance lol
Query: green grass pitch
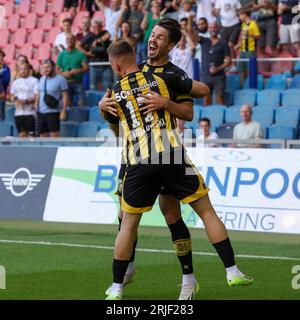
(38, 271)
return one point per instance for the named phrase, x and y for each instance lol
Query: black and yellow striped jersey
(168, 67)
(148, 135)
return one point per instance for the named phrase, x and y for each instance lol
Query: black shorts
(70, 3)
(231, 34)
(142, 184)
(48, 122)
(25, 124)
(216, 84)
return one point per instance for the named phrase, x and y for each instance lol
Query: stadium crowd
(214, 32)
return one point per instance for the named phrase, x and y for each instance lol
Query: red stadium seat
(46, 22)
(30, 21)
(9, 8)
(9, 51)
(23, 8)
(19, 38)
(52, 35)
(26, 50)
(36, 38)
(40, 7)
(4, 37)
(13, 22)
(99, 15)
(61, 17)
(44, 52)
(57, 7)
(35, 64)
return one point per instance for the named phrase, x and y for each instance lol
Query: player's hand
(108, 104)
(153, 102)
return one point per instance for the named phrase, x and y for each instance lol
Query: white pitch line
(92, 246)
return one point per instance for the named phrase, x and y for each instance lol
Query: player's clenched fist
(108, 104)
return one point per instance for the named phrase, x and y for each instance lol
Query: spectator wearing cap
(23, 92)
(56, 86)
(72, 64)
(206, 133)
(60, 42)
(94, 46)
(111, 13)
(231, 27)
(135, 16)
(247, 129)
(4, 80)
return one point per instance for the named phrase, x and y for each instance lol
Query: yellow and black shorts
(142, 184)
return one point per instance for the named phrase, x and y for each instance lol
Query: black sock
(182, 243)
(225, 252)
(134, 244)
(119, 270)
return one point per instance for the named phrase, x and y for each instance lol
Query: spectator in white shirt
(23, 92)
(247, 129)
(205, 10)
(185, 9)
(205, 127)
(60, 42)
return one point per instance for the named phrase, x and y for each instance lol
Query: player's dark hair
(120, 48)
(173, 27)
(205, 120)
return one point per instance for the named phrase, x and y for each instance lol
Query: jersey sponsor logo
(21, 181)
(119, 96)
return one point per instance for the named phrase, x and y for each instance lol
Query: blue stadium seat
(260, 82)
(277, 82)
(78, 114)
(197, 114)
(245, 97)
(94, 114)
(93, 97)
(287, 116)
(106, 133)
(281, 132)
(233, 83)
(225, 130)
(232, 114)
(6, 129)
(295, 84)
(268, 98)
(87, 130)
(68, 129)
(265, 116)
(10, 114)
(291, 98)
(215, 114)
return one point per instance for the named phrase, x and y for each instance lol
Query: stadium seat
(10, 114)
(281, 132)
(78, 114)
(43, 52)
(6, 129)
(88, 130)
(26, 50)
(40, 7)
(68, 129)
(61, 17)
(277, 82)
(215, 114)
(232, 83)
(46, 22)
(9, 51)
(291, 98)
(266, 98)
(35, 38)
(57, 7)
(50, 38)
(13, 22)
(295, 84)
(30, 21)
(4, 36)
(9, 8)
(19, 38)
(197, 114)
(23, 8)
(105, 133)
(92, 97)
(265, 116)
(260, 82)
(287, 116)
(245, 97)
(232, 114)
(94, 114)
(225, 130)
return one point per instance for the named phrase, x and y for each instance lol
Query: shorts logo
(21, 181)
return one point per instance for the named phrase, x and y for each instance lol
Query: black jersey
(148, 135)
